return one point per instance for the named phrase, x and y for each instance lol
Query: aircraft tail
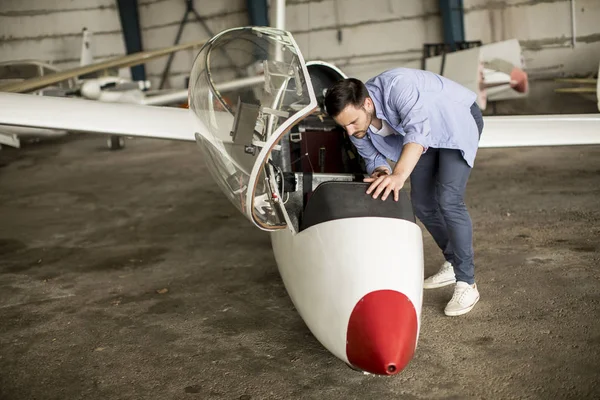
(87, 54)
(494, 71)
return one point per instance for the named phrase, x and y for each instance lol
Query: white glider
(363, 306)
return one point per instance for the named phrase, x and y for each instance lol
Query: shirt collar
(374, 93)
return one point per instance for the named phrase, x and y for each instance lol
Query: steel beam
(132, 34)
(453, 20)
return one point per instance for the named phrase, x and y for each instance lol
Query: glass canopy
(248, 87)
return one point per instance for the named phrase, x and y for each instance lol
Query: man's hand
(389, 183)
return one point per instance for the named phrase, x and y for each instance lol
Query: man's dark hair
(345, 92)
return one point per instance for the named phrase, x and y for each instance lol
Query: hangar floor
(128, 275)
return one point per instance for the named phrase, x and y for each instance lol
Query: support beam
(278, 14)
(258, 12)
(130, 23)
(453, 20)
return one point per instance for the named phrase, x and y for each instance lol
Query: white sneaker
(445, 276)
(464, 299)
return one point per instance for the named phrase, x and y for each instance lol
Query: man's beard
(370, 117)
(363, 133)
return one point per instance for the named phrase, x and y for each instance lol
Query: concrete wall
(160, 21)
(375, 35)
(51, 31)
(384, 34)
(543, 28)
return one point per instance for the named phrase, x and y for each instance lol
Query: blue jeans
(438, 185)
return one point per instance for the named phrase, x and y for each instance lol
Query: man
(430, 126)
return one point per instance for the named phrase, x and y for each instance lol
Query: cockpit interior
(271, 147)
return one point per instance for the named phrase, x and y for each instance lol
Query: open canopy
(243, 126)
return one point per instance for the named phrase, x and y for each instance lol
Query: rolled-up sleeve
(405, 100)
(373, 158)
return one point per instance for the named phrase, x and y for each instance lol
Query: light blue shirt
(421, 107)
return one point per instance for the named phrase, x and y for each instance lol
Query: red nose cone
(382, 333)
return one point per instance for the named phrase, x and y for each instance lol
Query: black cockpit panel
(336, 200)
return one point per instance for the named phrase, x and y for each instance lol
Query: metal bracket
(295, 137)
(258, 143)
(278, 113)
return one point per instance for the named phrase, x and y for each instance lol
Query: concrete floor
(127, 275)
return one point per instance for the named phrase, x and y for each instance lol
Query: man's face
(356, 120)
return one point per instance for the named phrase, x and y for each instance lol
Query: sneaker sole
(461, 312)
(438, 285)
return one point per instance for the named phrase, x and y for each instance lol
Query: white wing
(179, 124)
(79, 115)
(540, 130)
